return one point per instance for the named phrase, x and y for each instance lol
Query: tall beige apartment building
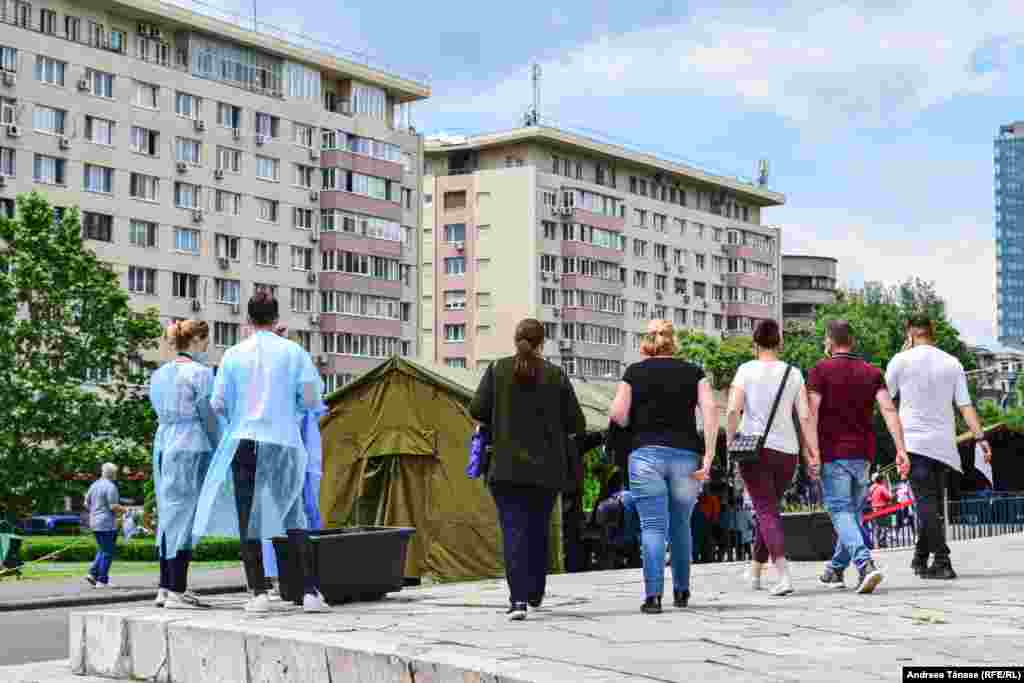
(209, 160)
(592, 239)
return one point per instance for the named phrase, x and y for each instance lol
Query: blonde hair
(181, 334)
(660, 339)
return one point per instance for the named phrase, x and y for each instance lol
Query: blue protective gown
(182, 449)
(262, 388)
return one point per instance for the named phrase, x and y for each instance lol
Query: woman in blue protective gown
(184, 444)
(253, 490)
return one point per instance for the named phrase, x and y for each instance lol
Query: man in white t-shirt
(928, 382)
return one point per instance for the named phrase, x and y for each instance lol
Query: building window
(97, 179)
(229, 116)
(304, 135)
(266, 253)
(47, 21)
(49, 170)
(144, 187)
(456, 232)
(455, 300)
(99, 131)
(228, 291)
(187, 105)
(266, 209)
(302, 300)
(550, 230)
(549, 297)
(406, 198)
(455, 265)
(304, 219)
(188, 150)
(141, 280)
(7, 162)
(368, 100)
(8, 58)
(225, 334)
(455, 200)
(267, 126)
(267, 168)
(101, 84)
(184, 285)
(145, 141)
(455, 333)
(186, 240)
(302, 258)
(229, 160)
(227, 203)
(49, 120)
(227, 246)
(305, 176)
(98, 226)
(142, 233)
(455, 363)
(146, 95)
(49, 70)
(187, 196)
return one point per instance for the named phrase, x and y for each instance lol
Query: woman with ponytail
(531, 409)
(184, 444)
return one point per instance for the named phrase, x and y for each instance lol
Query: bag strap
(775, 407)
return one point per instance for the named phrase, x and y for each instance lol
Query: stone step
(58, 671)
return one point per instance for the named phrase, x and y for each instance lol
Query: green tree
(719, 358)
(70, 361)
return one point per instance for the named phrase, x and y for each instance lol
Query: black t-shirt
(663, 405)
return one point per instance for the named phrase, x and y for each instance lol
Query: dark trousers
(525, 516)
(174, 571)
(106, 544)
(766, 481)
(928, 479)
(243, 471)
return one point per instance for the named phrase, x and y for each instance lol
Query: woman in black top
(657, 399)
(532, 410)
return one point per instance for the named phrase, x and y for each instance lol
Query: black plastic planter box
(354, 563)
(809, 536)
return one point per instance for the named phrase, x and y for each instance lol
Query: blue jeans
(846, 482)
(665, 494)
(106, 542)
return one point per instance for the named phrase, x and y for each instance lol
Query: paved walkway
(20, 595)
(591, 631)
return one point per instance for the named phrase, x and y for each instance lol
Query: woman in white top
(753, 391)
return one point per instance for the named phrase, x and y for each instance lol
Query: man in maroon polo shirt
(843, 390)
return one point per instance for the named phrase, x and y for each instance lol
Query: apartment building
(807, 282)
(210, 160)
(591, 238)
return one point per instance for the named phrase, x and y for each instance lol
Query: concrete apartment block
(807, 282)
(592, 239)
(209, 159)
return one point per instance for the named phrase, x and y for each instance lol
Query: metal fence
(965, 519)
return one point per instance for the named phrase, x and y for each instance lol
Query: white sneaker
(259, 604)
(161, 598)
(783, 587)
(183, 601)
(314, 603)
(274, 594)
(108, 584)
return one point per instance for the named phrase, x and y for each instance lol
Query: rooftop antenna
(762, 172)
(532, 117)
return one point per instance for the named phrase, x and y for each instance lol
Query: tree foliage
(719, 358)
(70, 363)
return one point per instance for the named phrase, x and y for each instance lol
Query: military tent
(395, 446)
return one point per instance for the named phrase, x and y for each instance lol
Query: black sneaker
(536, 603)
(870, 577)
(652, 605)
(941, 571)
(832, 578)
(516, 611)
(919, 566)
(681, 598)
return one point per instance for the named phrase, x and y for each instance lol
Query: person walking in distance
(185, 440)
(531, 409)
(103, 502)
(843, 391)
(928, 382)
(753, 393)
(657, 399)
(253, 490)
(880, 497)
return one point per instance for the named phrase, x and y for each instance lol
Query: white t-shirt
(928, 382)
(760, 382)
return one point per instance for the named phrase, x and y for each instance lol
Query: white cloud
(820, 68)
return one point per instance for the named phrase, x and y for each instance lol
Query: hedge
(138, 549)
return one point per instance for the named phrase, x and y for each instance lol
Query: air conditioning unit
(345, 108)
(686, 299)
(200, 125)
(556, 312)
(83, 84)
(314, 196)
(725, 248)
(10, 78)
(182, 167)
(314, 319)
(236, 133)
(681, 268)
(196, 306)
(314, 154)
(310, 277)
(64, 142)
(314, 237)
(236, 309)
(222, 262)
(261, 139)
(321, 360)
(13, 131)
(565, 345)
(704, 303)
(460, 246)
(3, 181)
(659, 296)
(197, 216)
(555, 277)
(664, 266)
(218, 173)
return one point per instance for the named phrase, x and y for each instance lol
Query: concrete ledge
(58, 671)
(590, 630)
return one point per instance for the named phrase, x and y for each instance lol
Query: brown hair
(529, 339)
(766, 334)
(181, 334)
(922, 325)
(660, 339)
(840, 333)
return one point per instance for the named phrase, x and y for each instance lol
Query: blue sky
(877, 121)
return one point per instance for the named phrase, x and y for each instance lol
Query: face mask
(201, 357)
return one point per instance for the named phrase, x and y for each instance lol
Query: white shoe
(314, 603)
(259, 604)
(783, 587)
(108, 584)
(183, 601)
(161, 598)
(274, 594)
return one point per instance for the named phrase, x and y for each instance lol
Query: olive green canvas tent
(395, 445)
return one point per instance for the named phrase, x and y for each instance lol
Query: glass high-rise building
(1009, 191)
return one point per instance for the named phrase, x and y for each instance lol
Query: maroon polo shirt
(848, 387)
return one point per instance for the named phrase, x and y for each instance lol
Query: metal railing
(968, 519)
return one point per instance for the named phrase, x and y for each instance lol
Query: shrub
(83, 549)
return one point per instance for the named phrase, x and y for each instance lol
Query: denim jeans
(106, 543)
(524, 513)
(665, 493)
(845, 483)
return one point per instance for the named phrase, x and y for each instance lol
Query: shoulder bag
(480, 448)
(745, 449)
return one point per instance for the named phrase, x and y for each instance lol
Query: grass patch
(61, 571)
